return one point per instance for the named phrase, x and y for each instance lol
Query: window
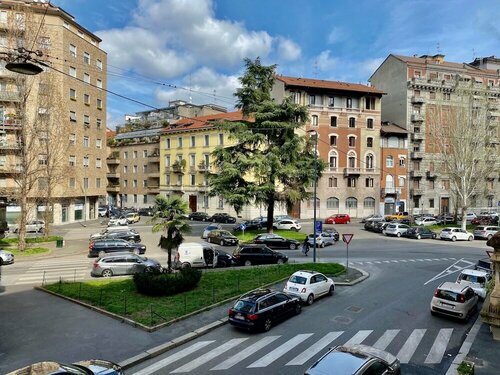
(86, 120)
(314, 120)
(3, 16)
(167, 180)
(351, 202)
(402, 161)
(167, 161)
(145, 183)
(135, 198)
(125, 154)
(221, 139)
(370, 103)
(134, 183)
(99, 83)
(85, 161)
(192, 160)
(369, 182)
(72, 94)
(134, 155)
(351, 160)
(332, 203)
(42, 159)
(312, 99)
(72, 116)
(369, 123)
(446, 96)
(331, 101)
(72, 139)
(98, 143)
(369, 161)
(125, 183)
(167, 143)
(134, 169)
(333, 140)
(369, 142)
(98, 182)
(98, 123)
(98, 64)
(72, 160)
(145, 168)
(66, 25)
(86, 58)
(145, 153)
(86, 78)
(401, 181)
(333, 121)
(72, 71)
(332, 182)
(80, 34)
(179, 142)
(71, 183)
(369, 202)
(99, 103)
(192, 179)
(352, 141)
(98, 163)
(351, 182)
(333, 161)
(207, 140)
(446, 184)
(349, 102)
(72, 50)
(86, 99)
(352, 122)
(431, 203)
(296, 97)
(432, 95)
(193, 141)
(389, 162)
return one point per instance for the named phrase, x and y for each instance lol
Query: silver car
(6, 257)
(395, 229)
(485, 232)
(123, 264)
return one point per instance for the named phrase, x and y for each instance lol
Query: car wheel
(398, 234)
(470, 238)
(453, 238)
(331, 290)
(222, 243)
(186, 265)
(419, 237)
(279, 261)
(101, 253)
(275, 228)
(293, 246)
(248, 263)
(298, 309)
(310, 299)
(267, 324)
(222, 263)
(489, 237)
(40, 230)
(322, 244)
(213, 220)
(295, 229)
(107, 273)
(433, 236)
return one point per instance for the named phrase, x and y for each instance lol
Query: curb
(464, 349)
(365, 275)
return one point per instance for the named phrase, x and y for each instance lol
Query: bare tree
(463, 141)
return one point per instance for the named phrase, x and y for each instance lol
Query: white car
(6, 257)
(395, 229)
(323, 239)
(426, 221)
(455, 234)
(309, 285)
(31, 226)
(469, 216)
(287, 225)
(476, 279)
(122, 220)
(102, 211)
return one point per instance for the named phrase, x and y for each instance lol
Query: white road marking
(314, 349)
(439, 346)
(411, 345)
(174, 357)
(455, 267)
(384, 340)
(244, 354)
(359, 337)
(280, 350)
(207, 357)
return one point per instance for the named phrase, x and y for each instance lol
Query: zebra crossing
(50, 271)
(257, 352)
(418, 260)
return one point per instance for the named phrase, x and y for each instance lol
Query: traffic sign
(318, 226)
(347, 237)
(243, 226)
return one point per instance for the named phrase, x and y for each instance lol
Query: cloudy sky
(161, 50)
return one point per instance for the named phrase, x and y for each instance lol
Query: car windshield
(212, 227)
(225, 233)
(298, 279)
(243, 305)
(472, 278)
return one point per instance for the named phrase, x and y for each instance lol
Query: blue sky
(161, 50)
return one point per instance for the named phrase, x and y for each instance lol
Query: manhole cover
(354, 309)
(342, 319)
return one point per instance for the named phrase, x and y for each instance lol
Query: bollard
(60, 282)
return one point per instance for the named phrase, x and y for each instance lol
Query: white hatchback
(476, 279)
(426, 221)
(455, 234)
(287, 225)
(309, 285)
(395, 229)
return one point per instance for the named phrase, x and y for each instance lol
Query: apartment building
(78, 106)
(415, 84)
(394, 169)
(346, 117)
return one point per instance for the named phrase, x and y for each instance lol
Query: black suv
(257, 254)
(199, 216)
(260, 309)
(106, 246)
(123, 235)
(223, 218)
(274, 241)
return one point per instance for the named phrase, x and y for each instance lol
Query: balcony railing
(154, 158)
(390, 191)
(9, 96)
(418, 136)
(417, 155)
(114, 188)
(154, 189)
(416, 117)
(431, 175)
(416, 174)
(10, 169)
(113, 174)
(203, 167)
(9, 146)
(177, 168)
(416, 192)
(13, 124)
(168, 169)
(417, 100)
(352, 172)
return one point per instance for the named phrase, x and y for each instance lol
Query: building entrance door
(193, 203)
(445, 206)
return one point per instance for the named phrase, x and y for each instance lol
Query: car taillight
(253, 317)
(461, 298)
(95, 264)
(303, 290)
(91, 245)
(230, 311)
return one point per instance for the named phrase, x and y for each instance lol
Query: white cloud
(367, 67)
(325, 62)
(336, 35)
(287, 49)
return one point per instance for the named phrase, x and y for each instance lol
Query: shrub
(166, 284)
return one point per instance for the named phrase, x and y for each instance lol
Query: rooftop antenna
(190, 98)
(473, 54)
(215, 96)
(438, 48)
(315, 71)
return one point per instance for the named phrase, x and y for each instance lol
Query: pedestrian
(305, 246)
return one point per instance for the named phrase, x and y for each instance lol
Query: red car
(338, 219)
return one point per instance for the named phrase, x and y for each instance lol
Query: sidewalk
(485, 352)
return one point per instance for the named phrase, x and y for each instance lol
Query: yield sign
(347, 237)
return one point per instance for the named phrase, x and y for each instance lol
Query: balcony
(352, 172)
(154, 158)
(9, 146)
(431, 175)
(113, 174)
(416, 174)
(9, 169)
(168, 169)
(178, 168)
(203, 167)
(113, 158)
(113, 188)
(177, 188)
(192, 169)
(10, 124)
(417, 155)
(417, 192)
(202, 186)
(418, 81)
(418, 136)
(154, 189)
(417, 117)
(154, 174)
(9, 96)
(417, 100)
(390, 191)
(333, 169)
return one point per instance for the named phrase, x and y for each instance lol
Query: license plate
(239, 316)
(450, 306)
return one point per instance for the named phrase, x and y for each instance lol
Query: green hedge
(167, 284)
(10, 241)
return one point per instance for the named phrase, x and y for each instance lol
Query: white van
(104, 232)
(193, 254)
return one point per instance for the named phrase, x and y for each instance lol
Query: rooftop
(203, 122)
(332, 85)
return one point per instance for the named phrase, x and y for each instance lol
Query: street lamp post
(315, 135)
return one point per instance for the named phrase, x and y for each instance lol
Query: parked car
(208, 229)
(397, 216)
(455, 234)
(261, 219)
(426, 221)
(104, 232)
(445, 219)
(484, 265)
(222, 237)
(419, 233)
(6, 257)
(193, 254)
(338, 219)
(31, 226)
(379, 226)
(199, 216)
(374, 216)
(485, 232)
(261, 309)
(274, 241)
(257, 254)
(249, 225)
(355, 360)
(395, 229)
(370, 223)
(102, 211)
(223, 259)
(127, 235)
(287, 225)
(309, 285)
(470, 215)
(122, 220)
(476, 279)
(88, 367)
(454, 300)
(145, 211)
(123, 264)
(323, 239)
(282, 217)
(106, 246)
(132, 217)
(222, 218)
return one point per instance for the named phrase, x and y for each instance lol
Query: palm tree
(168, 217)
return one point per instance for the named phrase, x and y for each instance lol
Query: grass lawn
(29, 251)
(250, 234)
(120, 296)
(15, 240)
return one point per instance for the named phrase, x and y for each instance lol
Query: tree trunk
(169, 260)
(464, 219)
(270, 212)
(21, 245)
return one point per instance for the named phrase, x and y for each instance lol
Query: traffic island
(490, 312)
